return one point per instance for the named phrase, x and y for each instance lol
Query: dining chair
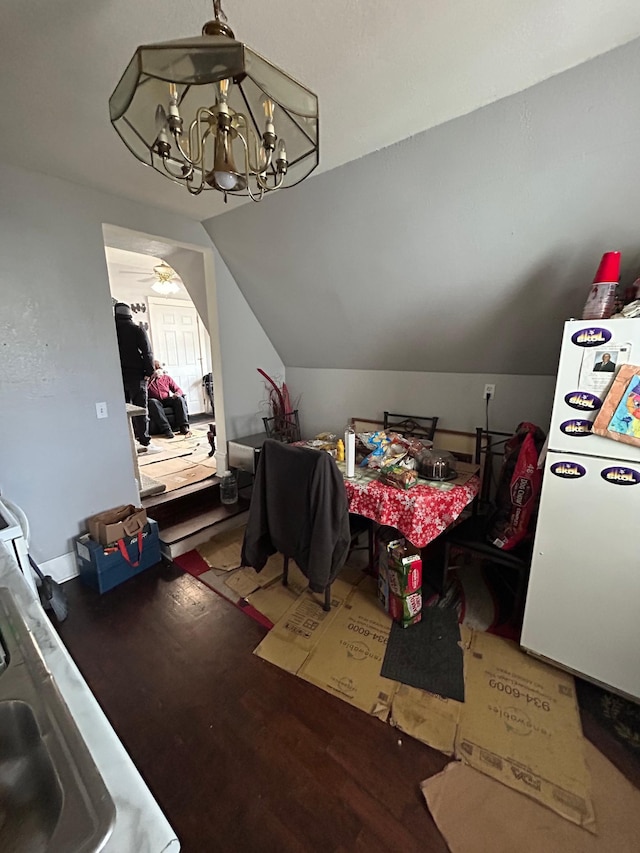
(470, 536)
(415, 426)
(298, 508)
(284, 428)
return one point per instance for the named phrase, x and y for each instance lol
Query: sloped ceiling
(383, 71)
(460, 250)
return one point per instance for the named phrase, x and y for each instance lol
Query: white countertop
(140, 826)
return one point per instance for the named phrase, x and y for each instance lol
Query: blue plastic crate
(103, 569)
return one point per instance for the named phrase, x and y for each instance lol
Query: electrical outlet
(101, 410)
(489, 391)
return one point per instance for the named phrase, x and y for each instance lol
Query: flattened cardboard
(170, 466)
(523, 727)
(223, 551)
(347, 658)
(429, 718)
(340, 651)
(193, 474)
(289, 642)
(504, 728)
(273, 570)
(274, 600)
(426, 717)
(243, 581)
(472, 811)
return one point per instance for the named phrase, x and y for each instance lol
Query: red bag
(518, 489)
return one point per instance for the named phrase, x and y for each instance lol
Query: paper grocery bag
(113, 524)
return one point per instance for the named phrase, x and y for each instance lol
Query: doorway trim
(204, 268)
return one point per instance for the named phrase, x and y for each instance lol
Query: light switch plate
(101, 410)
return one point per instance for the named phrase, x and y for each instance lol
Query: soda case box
(406, 609)
(400, 581)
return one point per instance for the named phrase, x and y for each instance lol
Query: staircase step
(189, 516)
(185, 535)
(177, 495)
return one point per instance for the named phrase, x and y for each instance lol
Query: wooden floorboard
(240, 755)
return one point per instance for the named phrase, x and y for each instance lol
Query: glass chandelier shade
(210, 113)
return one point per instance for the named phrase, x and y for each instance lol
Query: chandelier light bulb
(268, 107)
(223, 91)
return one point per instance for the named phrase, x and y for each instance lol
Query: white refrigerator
(583, 602)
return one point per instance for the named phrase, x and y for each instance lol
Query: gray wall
(245, 349)
(460, 250)
(329, 398)
(59, 353)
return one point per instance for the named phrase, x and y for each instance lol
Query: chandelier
(210, 113)
(164, 283)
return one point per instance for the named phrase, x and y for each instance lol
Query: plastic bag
(518, 489)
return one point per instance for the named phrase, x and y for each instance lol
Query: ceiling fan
(165, 279)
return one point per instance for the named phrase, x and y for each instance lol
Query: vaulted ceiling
(383, 71)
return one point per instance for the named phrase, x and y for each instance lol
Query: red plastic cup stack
(601, 299)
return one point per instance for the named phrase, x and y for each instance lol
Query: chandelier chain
(217, 10)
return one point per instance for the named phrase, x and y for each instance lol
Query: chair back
(298, 507)
(284, 428)
(416, 426)
(207, 381)
(488, 455)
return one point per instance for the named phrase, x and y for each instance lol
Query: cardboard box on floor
(519, 724)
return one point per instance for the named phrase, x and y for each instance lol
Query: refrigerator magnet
(619, 417)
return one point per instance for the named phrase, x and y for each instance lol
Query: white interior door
(176, 344)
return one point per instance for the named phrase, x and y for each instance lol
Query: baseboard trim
(61, 568)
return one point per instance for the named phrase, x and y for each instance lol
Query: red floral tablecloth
(420, 513)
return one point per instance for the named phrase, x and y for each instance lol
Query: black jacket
(298, 507)
(136, 358)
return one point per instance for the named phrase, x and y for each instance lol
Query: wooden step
(188, 534)
(189, 516)
(177, 496)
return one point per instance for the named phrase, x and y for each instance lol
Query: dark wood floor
(240, 755)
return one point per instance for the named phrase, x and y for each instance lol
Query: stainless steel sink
(52, 797)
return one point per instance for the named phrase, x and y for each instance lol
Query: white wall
(246, 348)
(59, 353)
(330, 397)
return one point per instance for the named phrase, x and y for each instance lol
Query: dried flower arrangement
(280, 408)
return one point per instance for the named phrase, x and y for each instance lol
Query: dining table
(422, 512)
